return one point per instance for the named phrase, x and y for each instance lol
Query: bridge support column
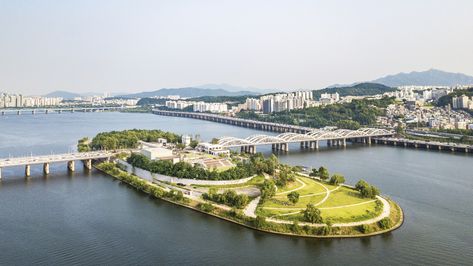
(88, 164)
(252, 149)
(0, 173)
(285, 146)
(344, 142)
(46, 168)
(71, 166)
(369, 140)
(329, 143)
(405, 144)
(27, 170)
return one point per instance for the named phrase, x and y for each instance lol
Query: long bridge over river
(309, 140)
(59, 110)
(46, 160)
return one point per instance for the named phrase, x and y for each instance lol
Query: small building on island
(213, 149)
(159, 153)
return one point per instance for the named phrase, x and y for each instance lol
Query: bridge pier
(27, 170)
(0, 173)
(71, 166)
(88, 164)
(46, 168)
(344, 142)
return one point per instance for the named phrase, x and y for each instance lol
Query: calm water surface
(88, 218)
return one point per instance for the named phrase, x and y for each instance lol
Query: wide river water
(89, 218)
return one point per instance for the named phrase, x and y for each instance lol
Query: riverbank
(255, 223)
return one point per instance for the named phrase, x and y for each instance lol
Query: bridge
(429, 145)
(258, 125)
(309, 140)
(45, 160)
(59, 110)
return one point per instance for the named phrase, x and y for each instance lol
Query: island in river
(250, 190)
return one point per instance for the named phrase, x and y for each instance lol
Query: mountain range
(189, 92)
(431, 77)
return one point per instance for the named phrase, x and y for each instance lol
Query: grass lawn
(341, 198)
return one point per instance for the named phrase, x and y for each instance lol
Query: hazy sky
(135, 45)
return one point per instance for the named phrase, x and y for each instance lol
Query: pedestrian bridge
(45, 160)
(310, 139)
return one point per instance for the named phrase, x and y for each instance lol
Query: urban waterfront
(90, 218)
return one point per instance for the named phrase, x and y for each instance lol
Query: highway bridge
(309, 140)
(429, 145)
(58, 110)
(259, 125)
(45, 160)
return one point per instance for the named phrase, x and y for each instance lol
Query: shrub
(260, 222)
(312, 214)
(206, 207)
(384, 223)
(363, 228)
(293, 197)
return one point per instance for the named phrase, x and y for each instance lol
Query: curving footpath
(385, 213)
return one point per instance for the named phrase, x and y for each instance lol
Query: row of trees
(187, 170)
(228, 197)
(127, 139)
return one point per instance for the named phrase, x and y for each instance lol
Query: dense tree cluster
(83, 145)
(347, 115)
(284, 176)
(129, 138)
(268, 190)
(367, 190)
(186, 170)
(228, 197)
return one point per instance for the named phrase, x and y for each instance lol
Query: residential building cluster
(20, 101)
(462, 102)
(435, 117)
(279, 102)
(198, 106)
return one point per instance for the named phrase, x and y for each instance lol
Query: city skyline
(142, 46)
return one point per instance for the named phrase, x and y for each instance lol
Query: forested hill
(360, 89)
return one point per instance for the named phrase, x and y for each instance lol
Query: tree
(323, 173)
(314, 172)
(366, 190)
(293, 197)
(268, 190)
(214, 141)
(337, 179)
(312, 214)
(193, 144)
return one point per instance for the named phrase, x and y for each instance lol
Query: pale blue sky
(144, 45)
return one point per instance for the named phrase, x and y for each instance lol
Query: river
(89, 218)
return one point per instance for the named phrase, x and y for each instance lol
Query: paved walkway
(250, 209)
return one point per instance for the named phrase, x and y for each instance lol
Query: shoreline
(396, 226)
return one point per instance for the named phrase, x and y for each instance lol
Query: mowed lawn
(337, 207)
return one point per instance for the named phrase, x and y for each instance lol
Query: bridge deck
(31, 160)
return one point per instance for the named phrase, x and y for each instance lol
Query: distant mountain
(63, 94)
(189, 92)
(360, 89)
(430, 77)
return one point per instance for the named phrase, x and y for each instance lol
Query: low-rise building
(214, 149)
